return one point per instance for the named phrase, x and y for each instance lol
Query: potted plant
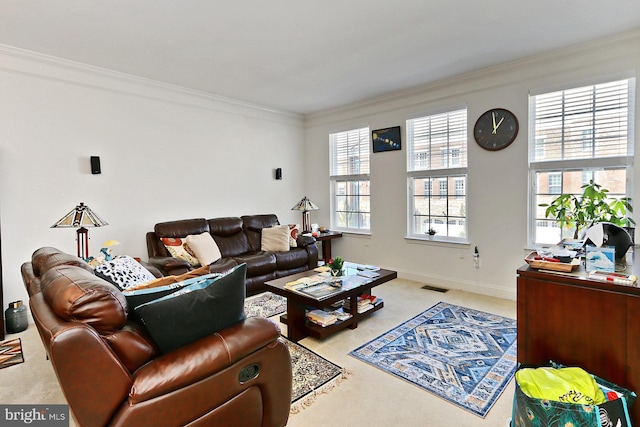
(432, 231)
(336, 264)
(593, 206)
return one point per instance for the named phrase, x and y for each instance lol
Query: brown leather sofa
(111, 373)
(239, 241)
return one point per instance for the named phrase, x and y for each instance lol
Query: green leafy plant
(336, 263)
(578, 213)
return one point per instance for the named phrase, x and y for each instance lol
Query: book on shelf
(365, 303)
(321, 317)
(326, 318)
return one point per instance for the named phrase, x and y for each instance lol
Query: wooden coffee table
(297, 303)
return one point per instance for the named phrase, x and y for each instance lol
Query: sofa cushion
(293, 259)
(275, 238)
(229, 236)
(123, 271)
(45, 258)
(204, 248)
(258, 263)
(209, 304)
(181, 228)
(177, 247)
(75, 294)
(253, 225)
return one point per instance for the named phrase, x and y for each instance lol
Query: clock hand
(493, 117)
(495, 127)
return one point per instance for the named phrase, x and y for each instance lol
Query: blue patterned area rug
(462, 355)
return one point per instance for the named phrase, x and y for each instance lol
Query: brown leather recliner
(110, 370)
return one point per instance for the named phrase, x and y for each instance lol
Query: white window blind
(577, 135)
(437, 173)
(585, 122)
(350, 183)
(438, 141)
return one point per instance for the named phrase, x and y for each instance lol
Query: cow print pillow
(124, 272)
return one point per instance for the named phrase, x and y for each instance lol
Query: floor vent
(434, 288)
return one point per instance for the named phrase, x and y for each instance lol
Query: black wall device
(95, 165)
(279, 173)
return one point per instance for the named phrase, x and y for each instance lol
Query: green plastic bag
(541, 412)
(568, 385)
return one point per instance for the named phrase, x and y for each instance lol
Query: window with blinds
(578, 135)
(437, 175)
(350, 183)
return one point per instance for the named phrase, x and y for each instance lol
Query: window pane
(581, 123)
(350, 152)
(349, 163)
(438, 141)
(546, 229)
(435, 144)
(577, 129)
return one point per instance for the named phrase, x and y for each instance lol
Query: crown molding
(34, 64)
(520, 70)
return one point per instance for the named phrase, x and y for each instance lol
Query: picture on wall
(386, 139)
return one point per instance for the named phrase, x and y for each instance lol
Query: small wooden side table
(325, 239)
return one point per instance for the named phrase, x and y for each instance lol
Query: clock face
(496, 129)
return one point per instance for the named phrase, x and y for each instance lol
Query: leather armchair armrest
(305, 241)
(170, 265)
(200, 359)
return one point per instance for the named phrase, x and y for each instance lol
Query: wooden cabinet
(576, 321)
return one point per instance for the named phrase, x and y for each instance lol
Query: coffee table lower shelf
(318, 331)
(298, 326)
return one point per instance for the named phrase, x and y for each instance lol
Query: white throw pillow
(275, 239)
(204, 248)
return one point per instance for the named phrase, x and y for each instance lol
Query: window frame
(587, 165)
(353, 177)
(420, 169)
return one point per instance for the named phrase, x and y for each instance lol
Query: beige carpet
(367, 398)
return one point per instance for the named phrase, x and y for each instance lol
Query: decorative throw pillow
(207, 305)
(178, 249)
(123, 271)
(168, 280)
(138, 296)
(204, 248)
(294, 230)
(275, 239)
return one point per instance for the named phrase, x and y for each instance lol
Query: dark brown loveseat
(239, 241)
(111, 373)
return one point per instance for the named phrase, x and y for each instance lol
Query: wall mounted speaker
(95, 165)
(279, 173)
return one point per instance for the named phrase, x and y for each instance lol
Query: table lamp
(305, 205)
(80, 217)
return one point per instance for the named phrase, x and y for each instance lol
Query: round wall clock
(496, 129)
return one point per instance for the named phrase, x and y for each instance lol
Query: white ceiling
(304, 56)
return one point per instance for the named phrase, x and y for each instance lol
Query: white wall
(166, 154)
(497, 181)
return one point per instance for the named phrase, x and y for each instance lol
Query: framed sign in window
(386, 139)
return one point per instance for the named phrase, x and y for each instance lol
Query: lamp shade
(80, 216)
(305, 205)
